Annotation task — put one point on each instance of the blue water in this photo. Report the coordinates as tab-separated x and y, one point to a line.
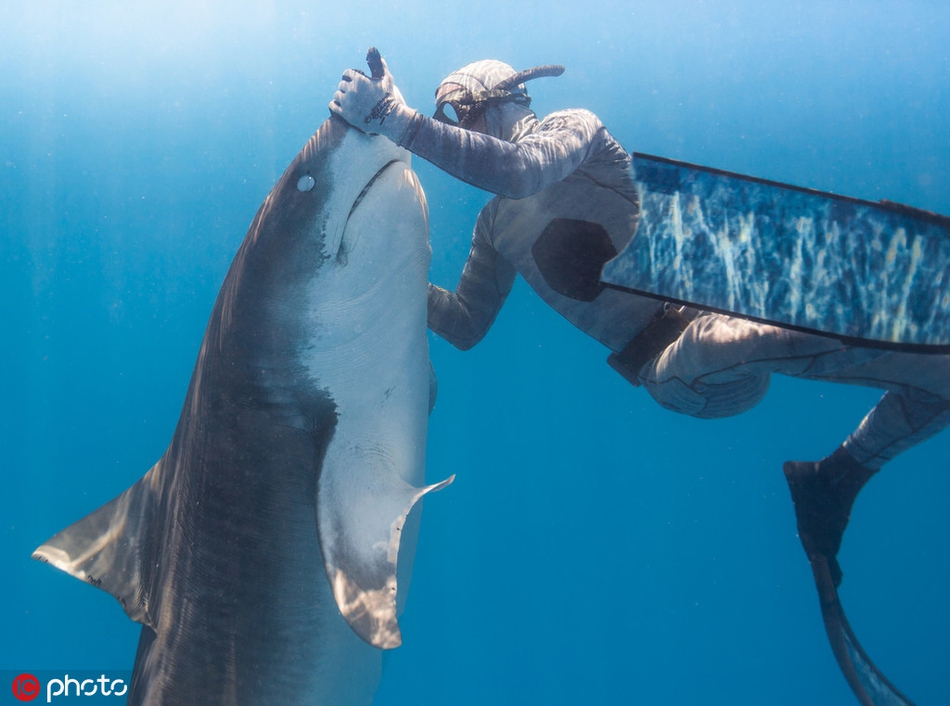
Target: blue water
595	549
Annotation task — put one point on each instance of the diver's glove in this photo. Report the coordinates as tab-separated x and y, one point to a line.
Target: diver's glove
372	104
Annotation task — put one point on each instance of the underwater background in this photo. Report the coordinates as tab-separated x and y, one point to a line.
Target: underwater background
595	548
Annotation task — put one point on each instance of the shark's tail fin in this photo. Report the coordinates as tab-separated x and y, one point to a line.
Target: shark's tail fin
105	549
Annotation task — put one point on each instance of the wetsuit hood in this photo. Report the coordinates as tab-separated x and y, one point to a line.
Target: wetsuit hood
465	94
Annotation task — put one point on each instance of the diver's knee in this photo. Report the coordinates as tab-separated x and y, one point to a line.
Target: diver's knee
709	401
735	396
676	396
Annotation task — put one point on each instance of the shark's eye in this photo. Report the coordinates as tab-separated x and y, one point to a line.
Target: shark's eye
305	183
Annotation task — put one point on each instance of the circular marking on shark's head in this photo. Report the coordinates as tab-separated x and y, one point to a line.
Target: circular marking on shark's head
305	183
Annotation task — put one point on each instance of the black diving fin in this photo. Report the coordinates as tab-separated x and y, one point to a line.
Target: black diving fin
823	494
866	681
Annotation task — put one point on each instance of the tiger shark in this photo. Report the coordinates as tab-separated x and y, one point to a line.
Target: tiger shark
268	552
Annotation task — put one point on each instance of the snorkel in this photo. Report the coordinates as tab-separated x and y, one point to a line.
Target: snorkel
529	74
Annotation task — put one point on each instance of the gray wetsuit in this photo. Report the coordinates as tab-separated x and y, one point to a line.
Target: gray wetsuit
720	365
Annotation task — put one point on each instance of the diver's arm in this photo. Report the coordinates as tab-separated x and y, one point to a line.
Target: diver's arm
464	316
554	150
513	169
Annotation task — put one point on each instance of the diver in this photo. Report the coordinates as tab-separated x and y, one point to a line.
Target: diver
566	203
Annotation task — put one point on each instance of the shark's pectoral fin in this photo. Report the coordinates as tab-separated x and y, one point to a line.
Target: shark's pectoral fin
105	549
360	533
867	682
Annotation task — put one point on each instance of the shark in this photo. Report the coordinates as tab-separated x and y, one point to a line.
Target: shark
267	554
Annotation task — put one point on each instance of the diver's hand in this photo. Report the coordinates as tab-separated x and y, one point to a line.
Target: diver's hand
366	102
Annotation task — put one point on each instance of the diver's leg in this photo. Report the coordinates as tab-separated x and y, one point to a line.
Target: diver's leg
824	492
720	366
899	421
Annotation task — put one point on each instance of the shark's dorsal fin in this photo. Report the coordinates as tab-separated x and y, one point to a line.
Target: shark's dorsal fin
105	549
360	557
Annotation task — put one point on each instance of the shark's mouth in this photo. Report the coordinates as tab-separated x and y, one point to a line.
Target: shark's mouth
347	245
